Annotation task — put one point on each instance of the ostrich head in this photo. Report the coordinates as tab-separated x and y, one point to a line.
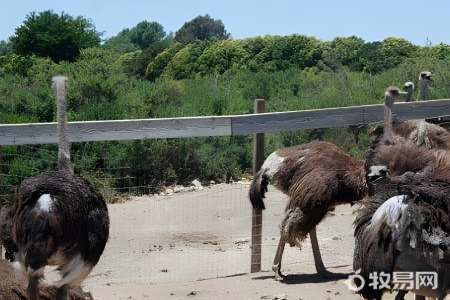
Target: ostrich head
424	81
409	89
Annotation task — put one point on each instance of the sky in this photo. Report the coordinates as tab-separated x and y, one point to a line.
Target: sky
420	22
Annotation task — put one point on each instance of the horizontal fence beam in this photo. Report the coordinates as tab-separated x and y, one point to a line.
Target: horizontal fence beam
115	130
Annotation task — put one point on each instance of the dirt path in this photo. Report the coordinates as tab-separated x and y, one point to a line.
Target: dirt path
196	245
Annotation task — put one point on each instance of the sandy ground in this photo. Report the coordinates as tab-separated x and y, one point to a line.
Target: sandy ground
196	245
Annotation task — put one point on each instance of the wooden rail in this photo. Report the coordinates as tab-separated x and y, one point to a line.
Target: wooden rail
45	133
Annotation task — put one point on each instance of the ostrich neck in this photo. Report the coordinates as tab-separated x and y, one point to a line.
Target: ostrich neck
64	162
388	104
423	90
408	96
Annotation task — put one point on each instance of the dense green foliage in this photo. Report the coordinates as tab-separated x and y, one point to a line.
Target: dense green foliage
201	28
145	73
60	37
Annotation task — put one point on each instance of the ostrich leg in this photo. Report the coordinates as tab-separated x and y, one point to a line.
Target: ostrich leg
62	293
320	268
276	267
33	289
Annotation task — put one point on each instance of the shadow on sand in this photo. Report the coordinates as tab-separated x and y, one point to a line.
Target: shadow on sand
305	278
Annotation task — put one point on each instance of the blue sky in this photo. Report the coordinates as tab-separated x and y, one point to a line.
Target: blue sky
371	20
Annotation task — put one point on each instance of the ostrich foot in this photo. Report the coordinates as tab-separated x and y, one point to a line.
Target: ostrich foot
278	275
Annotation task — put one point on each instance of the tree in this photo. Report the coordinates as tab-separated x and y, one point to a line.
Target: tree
395	50
147	33
5	47
201	28
121	43
343	52
60	37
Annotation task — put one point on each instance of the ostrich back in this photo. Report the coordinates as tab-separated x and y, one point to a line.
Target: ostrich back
319	174
420	132
75	223
405	226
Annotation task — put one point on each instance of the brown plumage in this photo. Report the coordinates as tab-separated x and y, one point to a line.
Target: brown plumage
420	132
404	225
60	220
316	177
13	285
6	238
57	218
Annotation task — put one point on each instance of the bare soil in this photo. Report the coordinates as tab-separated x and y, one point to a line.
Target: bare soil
196	245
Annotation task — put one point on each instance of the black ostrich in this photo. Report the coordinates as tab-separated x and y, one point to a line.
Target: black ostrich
316	177
59	219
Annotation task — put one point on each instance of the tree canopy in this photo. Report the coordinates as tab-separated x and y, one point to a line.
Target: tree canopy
59	37
201	28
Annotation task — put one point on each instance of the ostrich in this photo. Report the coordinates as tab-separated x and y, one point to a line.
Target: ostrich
295	172
405	225
316	177
424	81
409	89
415	177
13	285
59	219
420	131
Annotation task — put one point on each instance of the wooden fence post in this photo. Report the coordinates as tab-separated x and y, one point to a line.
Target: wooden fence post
258	159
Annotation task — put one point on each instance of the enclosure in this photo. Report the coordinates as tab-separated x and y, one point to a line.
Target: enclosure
189	234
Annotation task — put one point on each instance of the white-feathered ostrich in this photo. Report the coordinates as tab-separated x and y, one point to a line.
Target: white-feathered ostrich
60	219
316	177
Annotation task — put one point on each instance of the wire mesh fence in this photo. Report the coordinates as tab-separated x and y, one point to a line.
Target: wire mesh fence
190	235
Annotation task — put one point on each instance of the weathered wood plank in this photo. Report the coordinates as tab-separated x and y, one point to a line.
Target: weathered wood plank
44	133
334	117
296	120
422	109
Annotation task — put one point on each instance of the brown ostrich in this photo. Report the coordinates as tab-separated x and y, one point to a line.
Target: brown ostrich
316	177
296	171
59	219
405	224
392	228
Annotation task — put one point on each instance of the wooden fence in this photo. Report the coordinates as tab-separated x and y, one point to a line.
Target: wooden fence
45	133
257	124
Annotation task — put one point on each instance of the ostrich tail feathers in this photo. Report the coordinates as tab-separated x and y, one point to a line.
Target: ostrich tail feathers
258	189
